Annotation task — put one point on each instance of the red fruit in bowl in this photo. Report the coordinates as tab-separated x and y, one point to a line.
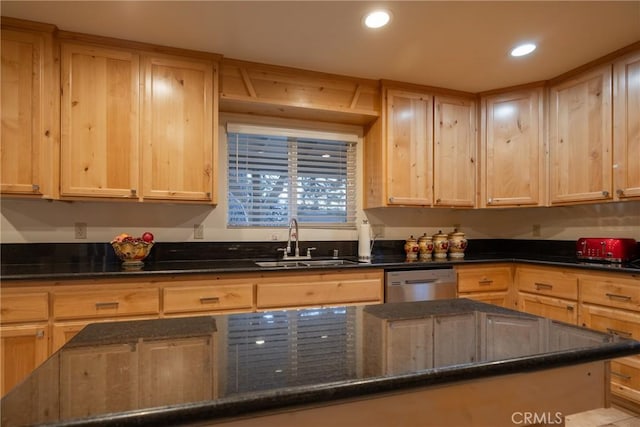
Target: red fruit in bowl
147	237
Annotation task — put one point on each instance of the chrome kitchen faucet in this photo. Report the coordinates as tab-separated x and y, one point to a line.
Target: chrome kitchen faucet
296	234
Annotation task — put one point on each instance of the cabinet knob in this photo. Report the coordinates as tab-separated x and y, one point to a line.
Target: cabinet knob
133	191
40	333
489	200
35	187
620	192
605	193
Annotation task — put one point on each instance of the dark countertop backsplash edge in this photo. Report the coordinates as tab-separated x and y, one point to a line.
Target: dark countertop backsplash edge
37	253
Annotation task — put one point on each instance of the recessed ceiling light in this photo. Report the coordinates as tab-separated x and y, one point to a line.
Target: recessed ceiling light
377	19
523	49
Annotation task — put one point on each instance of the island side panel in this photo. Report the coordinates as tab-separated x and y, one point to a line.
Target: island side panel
500	400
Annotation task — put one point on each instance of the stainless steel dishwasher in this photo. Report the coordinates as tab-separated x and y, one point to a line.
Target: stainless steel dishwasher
420	285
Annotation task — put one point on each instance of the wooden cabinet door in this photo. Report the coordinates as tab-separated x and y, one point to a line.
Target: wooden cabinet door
513	149
26	158
409	148
455	151
454	340
626	131
99	114
22	349
177	129
580	140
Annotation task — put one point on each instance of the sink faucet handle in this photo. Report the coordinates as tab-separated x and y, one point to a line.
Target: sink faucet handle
285	251
309	251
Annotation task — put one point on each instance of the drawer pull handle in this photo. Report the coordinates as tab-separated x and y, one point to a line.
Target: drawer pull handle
543	286
619	375
209	300
485	282
622	334
619	297
570	307
105	305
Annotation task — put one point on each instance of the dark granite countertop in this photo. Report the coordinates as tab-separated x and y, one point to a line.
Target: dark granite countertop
283	359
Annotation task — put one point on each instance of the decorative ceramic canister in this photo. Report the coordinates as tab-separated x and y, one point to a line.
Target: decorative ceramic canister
457	244
411	248
425	243
440	245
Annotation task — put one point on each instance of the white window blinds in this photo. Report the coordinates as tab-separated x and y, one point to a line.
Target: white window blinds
277	174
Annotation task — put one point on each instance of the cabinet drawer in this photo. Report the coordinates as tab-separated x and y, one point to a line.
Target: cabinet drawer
625	378
552	308
331	292
549	282
485	279
105	303
612	291
623	323
24	307
207	298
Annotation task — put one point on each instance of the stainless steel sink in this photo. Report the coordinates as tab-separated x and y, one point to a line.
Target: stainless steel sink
305	263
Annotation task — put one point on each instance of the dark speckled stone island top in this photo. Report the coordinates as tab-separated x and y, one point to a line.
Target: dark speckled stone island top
197	369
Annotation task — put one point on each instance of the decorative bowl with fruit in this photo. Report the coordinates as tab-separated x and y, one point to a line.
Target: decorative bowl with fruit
132	250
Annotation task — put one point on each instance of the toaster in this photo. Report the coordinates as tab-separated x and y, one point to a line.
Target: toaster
606	249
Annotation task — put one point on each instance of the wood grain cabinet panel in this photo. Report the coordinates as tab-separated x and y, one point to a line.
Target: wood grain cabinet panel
547	281
99	111
626	130
409	148
611	290
580	138
18	306
455	152
553	308
484	279
77	304
29	113
22	349
207	298
512	144
299	290
178	129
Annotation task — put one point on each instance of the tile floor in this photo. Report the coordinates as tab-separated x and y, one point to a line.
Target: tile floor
605	417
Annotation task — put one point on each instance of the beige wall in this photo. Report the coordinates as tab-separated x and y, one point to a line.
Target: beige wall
53	221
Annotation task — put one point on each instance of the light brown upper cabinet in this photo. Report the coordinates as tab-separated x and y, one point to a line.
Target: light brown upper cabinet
136	125
99	111
29	111
580	138
455	151
512	145
409	148
177	129
422	152
626	130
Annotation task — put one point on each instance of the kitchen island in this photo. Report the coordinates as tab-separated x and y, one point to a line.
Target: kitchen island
446	362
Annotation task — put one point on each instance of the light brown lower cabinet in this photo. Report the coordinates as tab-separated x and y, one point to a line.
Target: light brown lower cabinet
559	309
486	283
30	333
22	349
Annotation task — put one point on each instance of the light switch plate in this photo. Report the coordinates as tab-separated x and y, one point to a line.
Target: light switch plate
80	230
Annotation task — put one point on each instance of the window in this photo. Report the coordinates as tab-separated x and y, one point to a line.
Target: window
277	174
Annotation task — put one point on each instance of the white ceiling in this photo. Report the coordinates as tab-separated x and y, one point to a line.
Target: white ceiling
453	44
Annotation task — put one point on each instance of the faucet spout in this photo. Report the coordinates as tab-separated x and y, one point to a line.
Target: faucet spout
293	223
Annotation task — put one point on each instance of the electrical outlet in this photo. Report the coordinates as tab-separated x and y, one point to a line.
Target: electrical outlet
275	236
80	230
198	231
535	231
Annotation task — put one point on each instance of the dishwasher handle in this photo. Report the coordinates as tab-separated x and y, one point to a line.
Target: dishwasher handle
417	281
